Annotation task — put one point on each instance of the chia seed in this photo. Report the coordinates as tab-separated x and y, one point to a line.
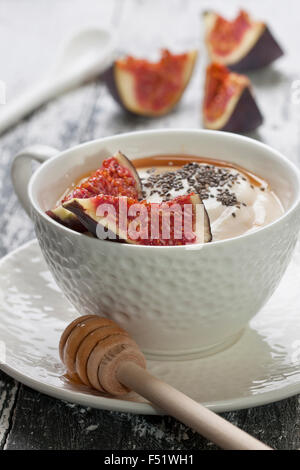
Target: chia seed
200	178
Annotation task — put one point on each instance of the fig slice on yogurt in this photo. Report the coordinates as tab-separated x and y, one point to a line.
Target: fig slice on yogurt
126	163
241	44
150	88
116	176
181	221
229	103
66	218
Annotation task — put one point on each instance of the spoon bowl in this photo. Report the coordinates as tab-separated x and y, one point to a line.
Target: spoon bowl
89	51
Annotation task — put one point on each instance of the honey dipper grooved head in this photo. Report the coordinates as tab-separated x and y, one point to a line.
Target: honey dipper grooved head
93	348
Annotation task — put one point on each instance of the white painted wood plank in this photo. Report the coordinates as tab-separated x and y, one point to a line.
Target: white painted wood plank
32	32
8	393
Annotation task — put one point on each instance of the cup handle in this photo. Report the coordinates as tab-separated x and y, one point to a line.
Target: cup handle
21	170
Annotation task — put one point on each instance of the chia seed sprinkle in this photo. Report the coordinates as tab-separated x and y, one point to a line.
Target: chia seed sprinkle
200	178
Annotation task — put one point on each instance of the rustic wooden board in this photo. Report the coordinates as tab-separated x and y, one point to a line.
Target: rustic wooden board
30	35
40	422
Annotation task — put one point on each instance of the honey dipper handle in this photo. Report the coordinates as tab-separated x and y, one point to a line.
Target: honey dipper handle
186	410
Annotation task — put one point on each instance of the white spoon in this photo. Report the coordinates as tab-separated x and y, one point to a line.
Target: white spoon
85	56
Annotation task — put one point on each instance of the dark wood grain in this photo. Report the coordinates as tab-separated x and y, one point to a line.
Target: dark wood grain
30	420
41	422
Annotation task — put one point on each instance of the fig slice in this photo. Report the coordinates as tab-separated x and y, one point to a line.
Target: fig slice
116	176
179	222
126	163
229	104
241	44
66	218
150	88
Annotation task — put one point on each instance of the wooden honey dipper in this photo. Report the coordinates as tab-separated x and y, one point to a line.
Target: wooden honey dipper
103	356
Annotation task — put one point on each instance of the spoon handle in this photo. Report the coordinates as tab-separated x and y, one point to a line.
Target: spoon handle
32	99
186	410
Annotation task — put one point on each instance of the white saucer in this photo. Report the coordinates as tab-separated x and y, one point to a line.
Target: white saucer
263	366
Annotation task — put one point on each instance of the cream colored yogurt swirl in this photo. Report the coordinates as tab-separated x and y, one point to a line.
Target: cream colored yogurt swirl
256	206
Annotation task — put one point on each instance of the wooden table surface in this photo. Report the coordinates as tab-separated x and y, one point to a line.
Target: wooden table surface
31	33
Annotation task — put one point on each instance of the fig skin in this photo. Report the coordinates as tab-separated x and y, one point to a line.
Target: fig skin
109	79
263	52
195	199
241	113
246	115
88	222
126	163
112	75
66	218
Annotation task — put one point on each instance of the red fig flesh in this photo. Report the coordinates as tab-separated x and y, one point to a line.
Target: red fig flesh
241	44
150	89
228	101
124	162
117	176
178	222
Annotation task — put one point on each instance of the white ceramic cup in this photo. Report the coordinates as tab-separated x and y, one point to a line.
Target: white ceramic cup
176	302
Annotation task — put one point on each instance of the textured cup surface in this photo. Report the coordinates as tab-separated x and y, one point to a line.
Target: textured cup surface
173	301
